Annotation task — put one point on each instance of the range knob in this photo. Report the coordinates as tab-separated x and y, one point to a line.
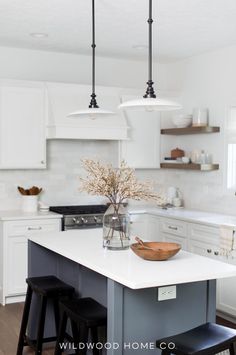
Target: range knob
84	220
76	220
95	219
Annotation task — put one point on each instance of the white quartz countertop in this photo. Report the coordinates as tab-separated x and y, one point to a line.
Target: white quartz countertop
215	219
20	215
85	247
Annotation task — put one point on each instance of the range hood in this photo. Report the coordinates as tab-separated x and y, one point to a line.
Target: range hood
64	98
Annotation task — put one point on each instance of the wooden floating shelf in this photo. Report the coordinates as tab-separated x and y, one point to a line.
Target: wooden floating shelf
190	130
191	166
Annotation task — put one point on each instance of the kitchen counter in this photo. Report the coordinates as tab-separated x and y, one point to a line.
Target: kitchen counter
20	215
213	219
85	248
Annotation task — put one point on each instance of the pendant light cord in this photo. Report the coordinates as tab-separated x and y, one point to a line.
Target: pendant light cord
93	102
150	93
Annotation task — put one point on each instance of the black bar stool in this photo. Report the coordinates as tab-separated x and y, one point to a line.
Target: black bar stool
207	339
47	287
84	314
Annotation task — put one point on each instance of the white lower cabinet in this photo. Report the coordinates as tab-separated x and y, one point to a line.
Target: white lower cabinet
138	225
174	231
175	239
145	226
153	228
204	240
14	254
16	265
203	249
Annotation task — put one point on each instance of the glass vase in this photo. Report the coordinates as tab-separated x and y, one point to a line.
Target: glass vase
116	228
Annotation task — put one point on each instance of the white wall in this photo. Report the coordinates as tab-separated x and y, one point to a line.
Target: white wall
208	80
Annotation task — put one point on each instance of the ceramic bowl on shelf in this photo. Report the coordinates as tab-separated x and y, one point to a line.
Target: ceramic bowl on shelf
182	120
155	251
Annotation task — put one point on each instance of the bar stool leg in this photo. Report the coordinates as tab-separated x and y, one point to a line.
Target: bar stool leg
39	342
165	352
83	337
75	333
232	349
94	338
61	334
56	314
24	321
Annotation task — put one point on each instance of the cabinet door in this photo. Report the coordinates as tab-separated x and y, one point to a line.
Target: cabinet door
142	149
22	127
138	226
226	288
204	233
16	265
153	229
175	239
17	250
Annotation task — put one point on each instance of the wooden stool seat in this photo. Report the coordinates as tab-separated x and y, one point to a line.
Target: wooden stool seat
84	314
46	287
209	338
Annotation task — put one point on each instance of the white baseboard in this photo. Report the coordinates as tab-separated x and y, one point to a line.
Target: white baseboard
15	299
226	316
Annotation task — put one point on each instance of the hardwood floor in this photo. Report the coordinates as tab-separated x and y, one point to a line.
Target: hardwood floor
225	322
10	319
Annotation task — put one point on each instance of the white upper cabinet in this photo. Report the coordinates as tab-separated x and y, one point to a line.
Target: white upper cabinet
142	149
22	125
66	98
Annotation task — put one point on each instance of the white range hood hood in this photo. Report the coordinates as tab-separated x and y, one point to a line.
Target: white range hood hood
66	98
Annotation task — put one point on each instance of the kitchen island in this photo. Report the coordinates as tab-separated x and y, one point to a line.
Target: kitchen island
128	286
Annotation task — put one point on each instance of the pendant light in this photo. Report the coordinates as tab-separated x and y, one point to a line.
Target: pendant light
149	102
93	111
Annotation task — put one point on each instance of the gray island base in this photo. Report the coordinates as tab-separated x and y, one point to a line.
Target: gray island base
135	316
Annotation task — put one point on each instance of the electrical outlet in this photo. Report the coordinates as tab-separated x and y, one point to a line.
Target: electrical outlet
166	293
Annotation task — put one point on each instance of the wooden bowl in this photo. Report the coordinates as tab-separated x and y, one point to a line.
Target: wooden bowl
159	251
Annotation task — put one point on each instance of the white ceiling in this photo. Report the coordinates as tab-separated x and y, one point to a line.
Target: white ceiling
182	28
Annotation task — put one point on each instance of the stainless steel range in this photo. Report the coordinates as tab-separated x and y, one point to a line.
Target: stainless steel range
78	217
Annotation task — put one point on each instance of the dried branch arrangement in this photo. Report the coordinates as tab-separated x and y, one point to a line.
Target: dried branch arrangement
116	184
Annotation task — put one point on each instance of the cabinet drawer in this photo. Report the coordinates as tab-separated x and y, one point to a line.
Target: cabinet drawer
33	226
206	234
173	226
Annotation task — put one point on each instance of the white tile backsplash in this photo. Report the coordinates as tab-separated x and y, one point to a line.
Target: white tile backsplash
60	181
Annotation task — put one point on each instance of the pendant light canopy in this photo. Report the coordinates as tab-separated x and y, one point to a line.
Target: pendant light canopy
149	102
93	111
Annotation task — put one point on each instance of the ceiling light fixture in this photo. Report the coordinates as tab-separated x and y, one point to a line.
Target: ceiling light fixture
39	35
93	111
149	102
